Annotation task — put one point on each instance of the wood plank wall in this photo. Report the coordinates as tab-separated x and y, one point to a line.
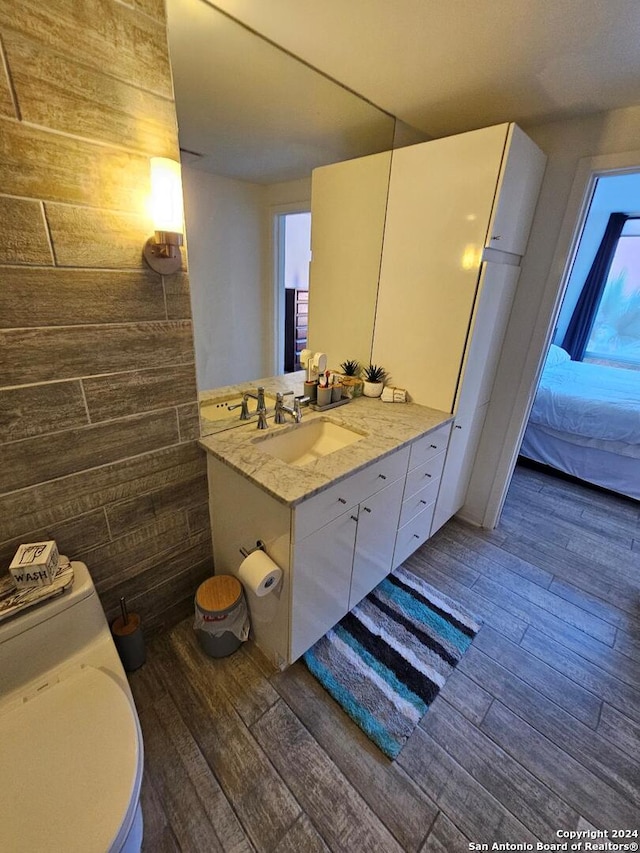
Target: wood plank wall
98	411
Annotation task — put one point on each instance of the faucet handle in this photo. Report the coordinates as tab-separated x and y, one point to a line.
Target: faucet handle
299	401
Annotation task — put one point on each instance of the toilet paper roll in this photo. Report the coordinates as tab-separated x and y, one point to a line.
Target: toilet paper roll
259	573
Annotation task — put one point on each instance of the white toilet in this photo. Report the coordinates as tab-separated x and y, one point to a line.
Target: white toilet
71	750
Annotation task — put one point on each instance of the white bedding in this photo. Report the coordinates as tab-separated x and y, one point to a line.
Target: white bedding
585	421
590	401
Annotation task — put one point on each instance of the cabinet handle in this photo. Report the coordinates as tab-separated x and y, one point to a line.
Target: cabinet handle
422	501
342	501
427	474
415	536
382	476
497	237
433	446
366	509
354	518
457	427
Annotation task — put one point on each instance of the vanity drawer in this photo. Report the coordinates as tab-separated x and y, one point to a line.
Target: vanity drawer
429	445
421	500
423	475
412	534
328	504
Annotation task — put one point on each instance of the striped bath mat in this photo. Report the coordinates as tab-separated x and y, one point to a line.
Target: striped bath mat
385	662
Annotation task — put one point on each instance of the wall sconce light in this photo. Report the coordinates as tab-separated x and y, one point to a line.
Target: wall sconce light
162	251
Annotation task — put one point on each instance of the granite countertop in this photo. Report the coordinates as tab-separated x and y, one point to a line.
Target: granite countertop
385	427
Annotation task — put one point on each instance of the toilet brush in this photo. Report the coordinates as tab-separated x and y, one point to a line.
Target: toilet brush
128	637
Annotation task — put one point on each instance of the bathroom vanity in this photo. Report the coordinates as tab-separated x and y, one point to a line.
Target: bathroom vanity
336	525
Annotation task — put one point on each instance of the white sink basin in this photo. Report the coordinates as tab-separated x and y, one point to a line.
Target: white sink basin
306	442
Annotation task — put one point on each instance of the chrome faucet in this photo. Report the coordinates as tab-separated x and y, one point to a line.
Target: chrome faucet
282	410
261	409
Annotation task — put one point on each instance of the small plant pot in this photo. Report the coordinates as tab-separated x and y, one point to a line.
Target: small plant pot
372	389
352	386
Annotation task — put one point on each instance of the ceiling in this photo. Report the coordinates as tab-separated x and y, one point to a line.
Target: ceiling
446	66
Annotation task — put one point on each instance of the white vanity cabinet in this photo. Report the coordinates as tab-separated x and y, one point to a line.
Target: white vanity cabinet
422	483
335	565
333	547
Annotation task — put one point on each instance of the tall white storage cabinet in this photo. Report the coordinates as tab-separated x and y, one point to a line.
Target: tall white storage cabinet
459	212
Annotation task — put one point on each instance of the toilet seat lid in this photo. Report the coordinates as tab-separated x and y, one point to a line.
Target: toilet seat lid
69	761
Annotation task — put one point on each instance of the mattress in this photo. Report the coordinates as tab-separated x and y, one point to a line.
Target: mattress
585	421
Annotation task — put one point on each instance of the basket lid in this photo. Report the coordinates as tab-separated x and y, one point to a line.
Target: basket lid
219	593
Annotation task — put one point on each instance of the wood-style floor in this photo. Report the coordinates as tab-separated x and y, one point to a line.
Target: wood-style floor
538	730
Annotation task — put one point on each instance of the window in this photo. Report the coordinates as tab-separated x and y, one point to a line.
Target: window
615	335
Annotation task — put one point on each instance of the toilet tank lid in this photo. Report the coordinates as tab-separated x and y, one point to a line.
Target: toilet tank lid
81	588
75	755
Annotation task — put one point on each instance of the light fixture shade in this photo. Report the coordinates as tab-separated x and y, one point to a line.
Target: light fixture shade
162	252
166	195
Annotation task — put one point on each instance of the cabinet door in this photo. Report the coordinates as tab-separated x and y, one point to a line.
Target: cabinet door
377	525
321	580
493	306
440	200
348	204
518	189
458	465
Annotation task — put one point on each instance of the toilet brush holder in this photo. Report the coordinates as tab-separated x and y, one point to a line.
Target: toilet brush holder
128	638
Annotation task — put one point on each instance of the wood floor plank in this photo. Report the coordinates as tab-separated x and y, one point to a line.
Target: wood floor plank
568	512
463	800
576	627
593	604
244	685
469	548
183	758
185	811
593	579
261	800
621	731
302	837
628	644
334	806
622	696
581	703
398	801
445	837
480	606
580	539
537	807
514	516
158	837
616	767
567	612
579	786
466	696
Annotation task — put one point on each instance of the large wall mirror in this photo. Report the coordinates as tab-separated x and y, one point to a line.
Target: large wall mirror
253	123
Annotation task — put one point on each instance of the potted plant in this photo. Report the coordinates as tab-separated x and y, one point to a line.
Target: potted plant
374	377
352	385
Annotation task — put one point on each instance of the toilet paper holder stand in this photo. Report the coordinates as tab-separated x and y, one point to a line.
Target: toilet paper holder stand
259	546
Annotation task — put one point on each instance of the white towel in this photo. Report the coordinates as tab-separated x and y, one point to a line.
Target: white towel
393	395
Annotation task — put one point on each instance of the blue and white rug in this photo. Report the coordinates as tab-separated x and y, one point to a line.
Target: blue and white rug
387	659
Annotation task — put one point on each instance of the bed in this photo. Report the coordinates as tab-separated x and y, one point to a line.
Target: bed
585	421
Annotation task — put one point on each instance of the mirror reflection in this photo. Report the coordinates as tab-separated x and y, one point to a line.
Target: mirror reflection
253	123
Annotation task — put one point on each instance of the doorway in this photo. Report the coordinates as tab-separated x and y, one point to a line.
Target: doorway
589	171
292	257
